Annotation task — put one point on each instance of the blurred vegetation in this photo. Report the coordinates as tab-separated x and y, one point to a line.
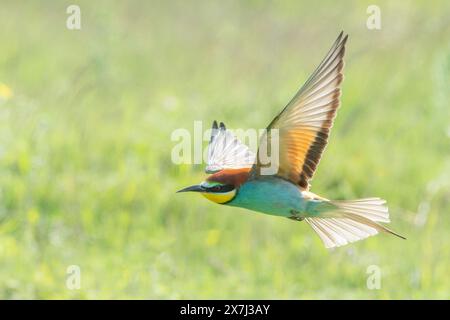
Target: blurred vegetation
85	124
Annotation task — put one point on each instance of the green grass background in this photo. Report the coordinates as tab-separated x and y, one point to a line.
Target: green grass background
86	176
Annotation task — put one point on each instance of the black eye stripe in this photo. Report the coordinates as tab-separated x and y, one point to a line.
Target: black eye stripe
221	188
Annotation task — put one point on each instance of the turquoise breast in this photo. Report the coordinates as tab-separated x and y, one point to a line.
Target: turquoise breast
270	195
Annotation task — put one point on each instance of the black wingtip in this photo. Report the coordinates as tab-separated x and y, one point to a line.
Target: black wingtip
345	38
222	126
342	34
214	125
342	38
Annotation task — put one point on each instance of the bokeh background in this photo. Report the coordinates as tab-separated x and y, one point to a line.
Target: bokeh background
86	176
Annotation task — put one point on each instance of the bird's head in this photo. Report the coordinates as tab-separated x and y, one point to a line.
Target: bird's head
221	187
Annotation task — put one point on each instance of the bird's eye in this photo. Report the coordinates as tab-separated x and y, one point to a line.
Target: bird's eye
216	188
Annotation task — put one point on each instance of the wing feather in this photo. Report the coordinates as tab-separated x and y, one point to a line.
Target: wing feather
225	151
304	124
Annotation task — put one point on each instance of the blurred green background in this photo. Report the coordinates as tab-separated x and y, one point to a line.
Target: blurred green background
86	176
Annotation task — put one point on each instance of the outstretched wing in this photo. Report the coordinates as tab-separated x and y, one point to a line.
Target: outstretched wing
304	124
225	151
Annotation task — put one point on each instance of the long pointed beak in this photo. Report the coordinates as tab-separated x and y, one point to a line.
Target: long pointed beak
196	188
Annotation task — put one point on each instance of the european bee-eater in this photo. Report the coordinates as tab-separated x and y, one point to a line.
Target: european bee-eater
303	127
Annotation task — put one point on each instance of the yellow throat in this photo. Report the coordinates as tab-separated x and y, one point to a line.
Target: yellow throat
220	197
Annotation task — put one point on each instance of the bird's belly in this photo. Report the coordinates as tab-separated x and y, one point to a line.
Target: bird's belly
270	195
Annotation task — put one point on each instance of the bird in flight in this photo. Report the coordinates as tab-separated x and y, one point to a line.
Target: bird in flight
303	126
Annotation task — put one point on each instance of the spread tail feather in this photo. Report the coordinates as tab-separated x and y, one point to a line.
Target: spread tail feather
351	221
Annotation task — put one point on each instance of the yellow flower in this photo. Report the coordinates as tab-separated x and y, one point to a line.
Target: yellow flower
212	237
5	91
32	216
